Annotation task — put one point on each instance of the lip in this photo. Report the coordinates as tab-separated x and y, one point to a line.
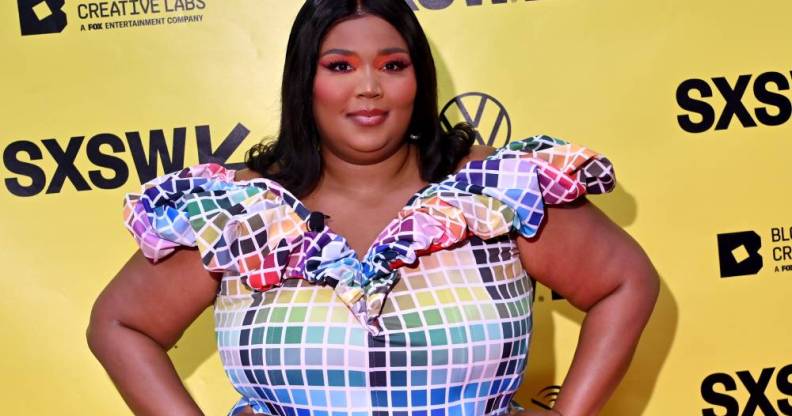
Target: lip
368	118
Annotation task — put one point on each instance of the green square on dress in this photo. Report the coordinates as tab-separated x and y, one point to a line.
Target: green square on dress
274	334
412	320
391	323
278	314
453	315
298	314
458	335
438	337
433	317
208	204
417	339
293	335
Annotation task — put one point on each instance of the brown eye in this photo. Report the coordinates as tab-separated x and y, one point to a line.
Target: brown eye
396	66
339	66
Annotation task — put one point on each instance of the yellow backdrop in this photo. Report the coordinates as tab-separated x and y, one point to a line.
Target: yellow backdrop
689	99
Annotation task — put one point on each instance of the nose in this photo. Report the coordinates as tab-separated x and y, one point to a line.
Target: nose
369	86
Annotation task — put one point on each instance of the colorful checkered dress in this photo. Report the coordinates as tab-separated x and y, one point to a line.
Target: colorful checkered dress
436	320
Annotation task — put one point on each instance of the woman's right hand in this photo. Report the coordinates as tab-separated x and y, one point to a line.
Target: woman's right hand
138	317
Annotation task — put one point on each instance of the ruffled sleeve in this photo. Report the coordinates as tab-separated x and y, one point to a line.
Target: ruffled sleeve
234	224
523	177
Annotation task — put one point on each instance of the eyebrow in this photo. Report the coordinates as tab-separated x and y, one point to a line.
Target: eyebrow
347	52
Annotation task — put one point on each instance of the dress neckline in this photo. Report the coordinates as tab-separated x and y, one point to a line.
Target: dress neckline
305	213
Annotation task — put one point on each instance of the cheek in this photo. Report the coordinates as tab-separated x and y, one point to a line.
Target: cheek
329	95
403	92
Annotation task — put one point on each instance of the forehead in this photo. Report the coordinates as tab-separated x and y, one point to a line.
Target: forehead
361	34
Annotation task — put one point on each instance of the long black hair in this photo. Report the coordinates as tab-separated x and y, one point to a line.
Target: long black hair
293	159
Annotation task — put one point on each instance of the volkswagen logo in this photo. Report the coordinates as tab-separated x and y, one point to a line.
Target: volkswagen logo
482	111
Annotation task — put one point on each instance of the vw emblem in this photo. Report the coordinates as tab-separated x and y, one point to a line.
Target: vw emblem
482	111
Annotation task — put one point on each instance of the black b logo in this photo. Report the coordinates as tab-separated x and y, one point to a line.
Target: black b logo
738	253
41	16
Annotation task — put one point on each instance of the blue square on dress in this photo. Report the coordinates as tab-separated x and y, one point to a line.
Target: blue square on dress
477	333
419	413
255	355
294	377
336	336
418	377
283	395
357	379
303	412
439	376
470	390
458	375
291	356
276	378
484	390
299	396
438	396
379	398
418	397
261	377
335	378
398	378
272	356
313	356
470	408
495	387
318	398
338	398
289	411
399	398
319	413
438	412
313	335
454	393
315	377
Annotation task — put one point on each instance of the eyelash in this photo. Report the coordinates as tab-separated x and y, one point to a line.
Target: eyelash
400	65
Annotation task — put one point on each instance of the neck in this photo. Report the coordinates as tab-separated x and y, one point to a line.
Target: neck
368	180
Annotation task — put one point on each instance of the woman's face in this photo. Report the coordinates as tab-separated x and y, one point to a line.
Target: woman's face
364	90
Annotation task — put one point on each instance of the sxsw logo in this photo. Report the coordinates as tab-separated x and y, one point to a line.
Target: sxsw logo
738	253
724	392
37	17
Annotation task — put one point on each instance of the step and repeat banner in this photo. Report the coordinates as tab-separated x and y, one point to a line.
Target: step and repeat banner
689	99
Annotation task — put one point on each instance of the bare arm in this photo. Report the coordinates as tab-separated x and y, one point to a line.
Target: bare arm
601	270
141	314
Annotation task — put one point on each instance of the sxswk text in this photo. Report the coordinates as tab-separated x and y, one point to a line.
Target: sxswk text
758	402
103	150
765	87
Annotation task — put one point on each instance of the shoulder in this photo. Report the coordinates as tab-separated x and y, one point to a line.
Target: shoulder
477	152
246	174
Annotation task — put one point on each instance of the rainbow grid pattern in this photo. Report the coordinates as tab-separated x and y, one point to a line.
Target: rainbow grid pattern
304	328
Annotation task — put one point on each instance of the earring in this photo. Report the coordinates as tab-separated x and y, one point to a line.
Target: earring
414	136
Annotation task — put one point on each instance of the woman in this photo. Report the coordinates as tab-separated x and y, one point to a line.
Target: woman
331	295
